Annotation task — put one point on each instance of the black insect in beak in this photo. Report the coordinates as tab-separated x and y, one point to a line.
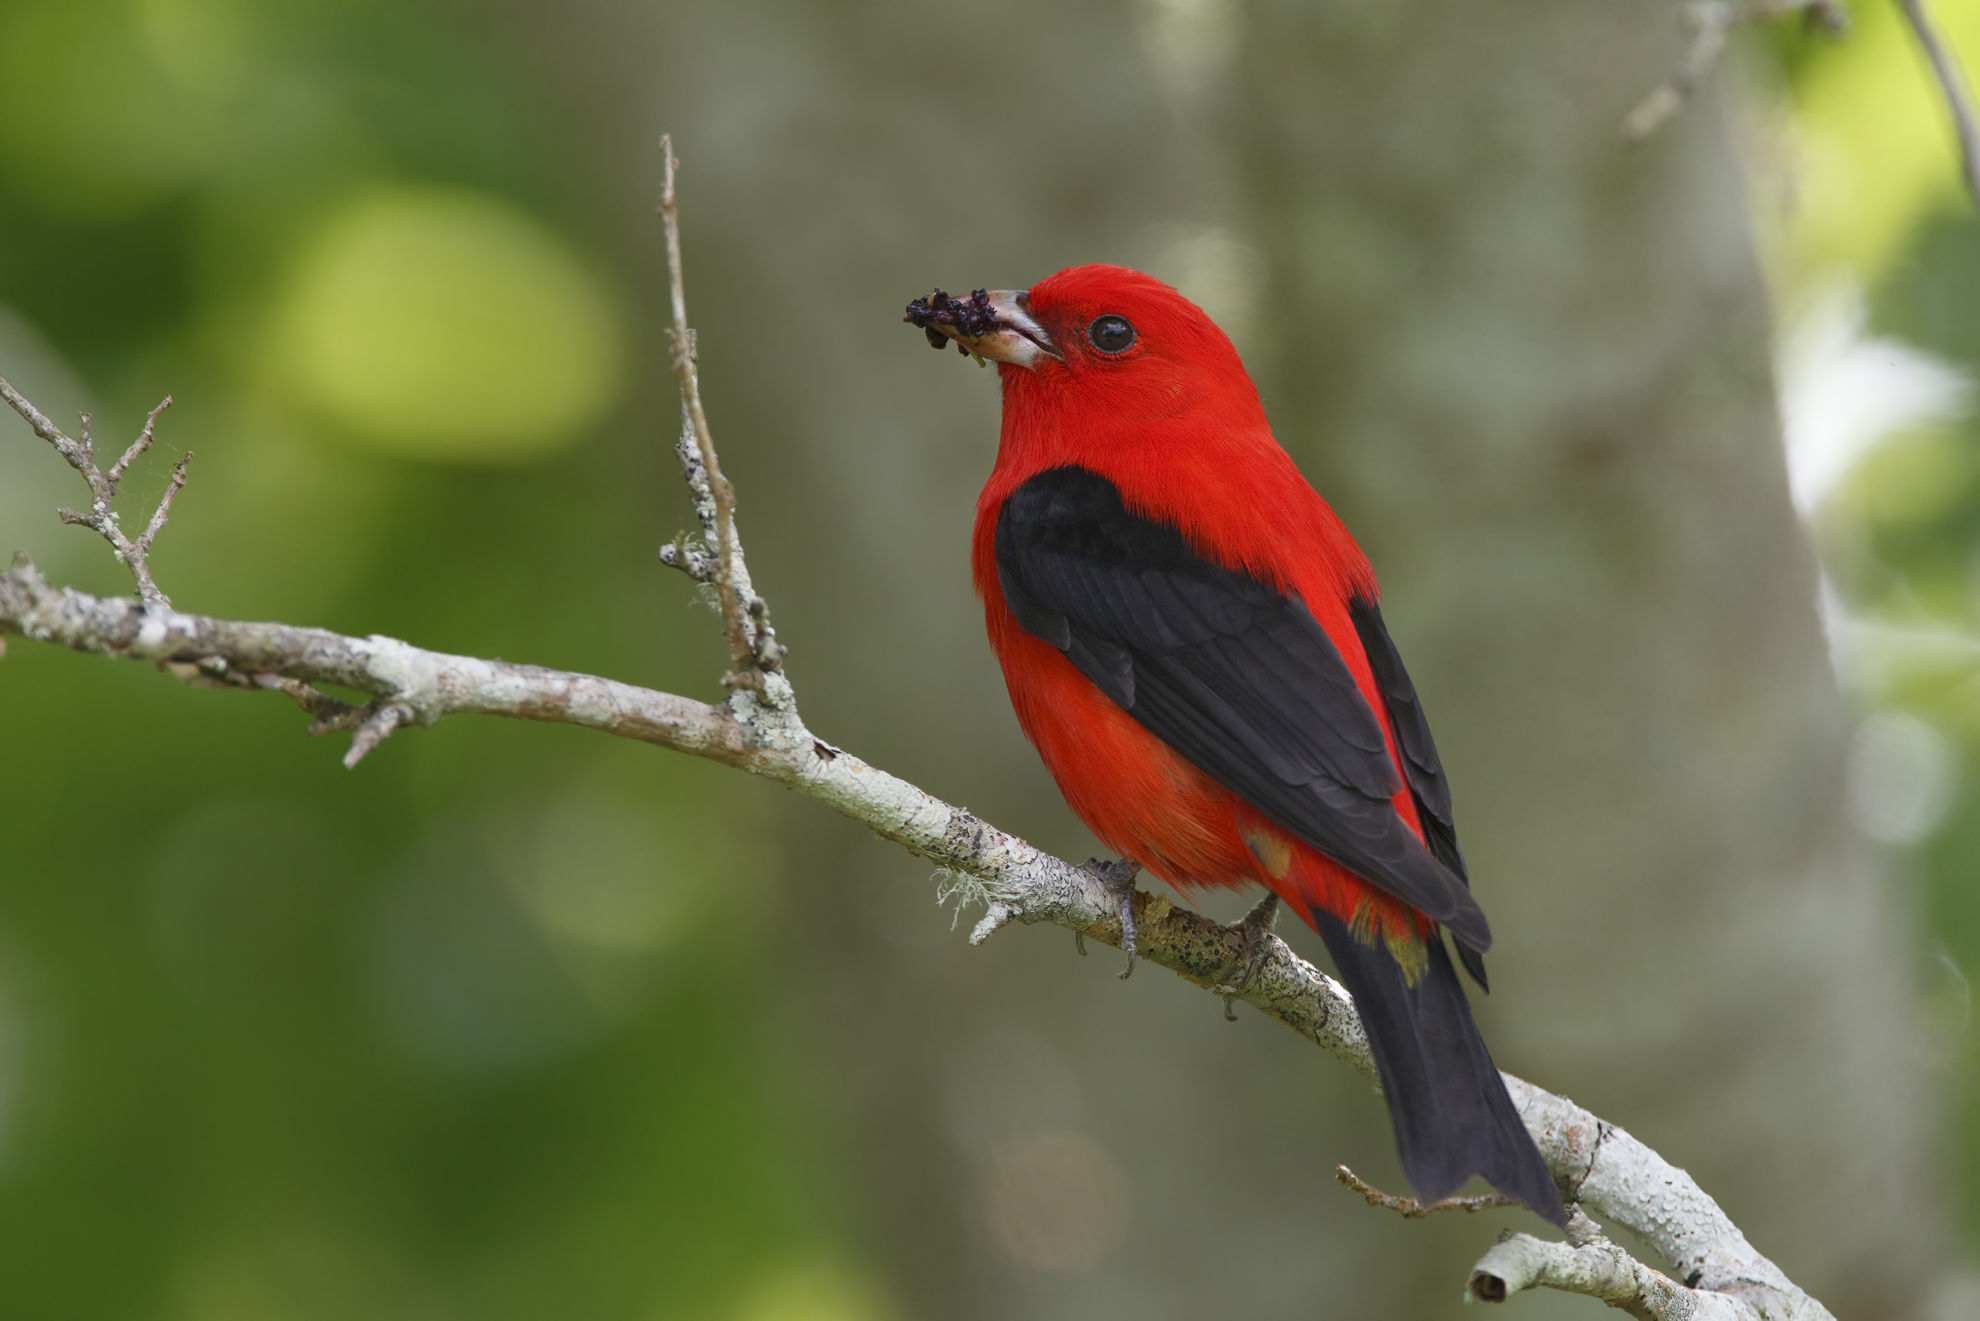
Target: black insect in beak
997	326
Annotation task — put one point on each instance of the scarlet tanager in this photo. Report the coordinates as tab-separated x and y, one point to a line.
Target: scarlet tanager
1195	645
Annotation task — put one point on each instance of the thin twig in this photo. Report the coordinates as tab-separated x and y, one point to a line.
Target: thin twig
380	719
138	446
735	613
1410	1208
1959	98
327	709
44	428
1712	22
164	510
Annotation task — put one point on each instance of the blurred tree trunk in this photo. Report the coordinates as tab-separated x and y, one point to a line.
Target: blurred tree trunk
1529	363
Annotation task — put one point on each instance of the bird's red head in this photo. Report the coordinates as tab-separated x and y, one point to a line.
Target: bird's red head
1106	350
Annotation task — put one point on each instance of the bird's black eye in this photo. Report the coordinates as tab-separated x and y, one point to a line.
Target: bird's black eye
1111	334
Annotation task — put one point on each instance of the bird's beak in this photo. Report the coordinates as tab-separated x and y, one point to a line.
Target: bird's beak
995	325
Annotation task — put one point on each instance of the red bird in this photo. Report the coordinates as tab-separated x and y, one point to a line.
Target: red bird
1194	644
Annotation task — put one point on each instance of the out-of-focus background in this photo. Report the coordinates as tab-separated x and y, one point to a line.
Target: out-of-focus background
518	1022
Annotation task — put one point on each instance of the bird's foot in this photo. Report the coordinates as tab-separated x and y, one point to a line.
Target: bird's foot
1256	929
1118	877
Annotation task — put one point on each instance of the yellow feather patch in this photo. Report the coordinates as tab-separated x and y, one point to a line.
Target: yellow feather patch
1273	850
1401	939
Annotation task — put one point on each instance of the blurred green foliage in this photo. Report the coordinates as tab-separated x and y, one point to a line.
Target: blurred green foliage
451	1037
444	325
1875	209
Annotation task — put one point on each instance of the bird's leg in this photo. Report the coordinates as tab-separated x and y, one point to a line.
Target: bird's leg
1256	928
1118	877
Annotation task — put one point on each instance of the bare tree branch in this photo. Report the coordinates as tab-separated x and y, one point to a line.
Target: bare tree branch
758	730
100	517
1711	22
753	650
1590	1264
140	552
1959	98
138	446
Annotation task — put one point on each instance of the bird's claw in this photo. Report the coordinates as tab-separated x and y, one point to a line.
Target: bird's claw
1256	929
1118	878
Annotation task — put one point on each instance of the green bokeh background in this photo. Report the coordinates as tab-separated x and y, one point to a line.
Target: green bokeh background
512	1022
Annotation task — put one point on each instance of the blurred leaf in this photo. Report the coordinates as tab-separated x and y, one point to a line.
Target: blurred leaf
91	123
445	324
1878	155
813	1290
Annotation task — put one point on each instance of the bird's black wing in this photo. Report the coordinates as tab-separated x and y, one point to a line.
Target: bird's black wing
1239	679
1423	769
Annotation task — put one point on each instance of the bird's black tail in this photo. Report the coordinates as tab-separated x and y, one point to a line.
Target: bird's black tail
1452	1116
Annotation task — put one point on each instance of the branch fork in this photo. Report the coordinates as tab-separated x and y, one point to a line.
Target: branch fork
100	517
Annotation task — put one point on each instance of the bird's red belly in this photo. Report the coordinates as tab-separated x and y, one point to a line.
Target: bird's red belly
1147	803
1129	788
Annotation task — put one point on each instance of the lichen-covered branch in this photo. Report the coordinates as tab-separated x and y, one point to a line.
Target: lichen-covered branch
1590	1264
753	649
1613	1175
